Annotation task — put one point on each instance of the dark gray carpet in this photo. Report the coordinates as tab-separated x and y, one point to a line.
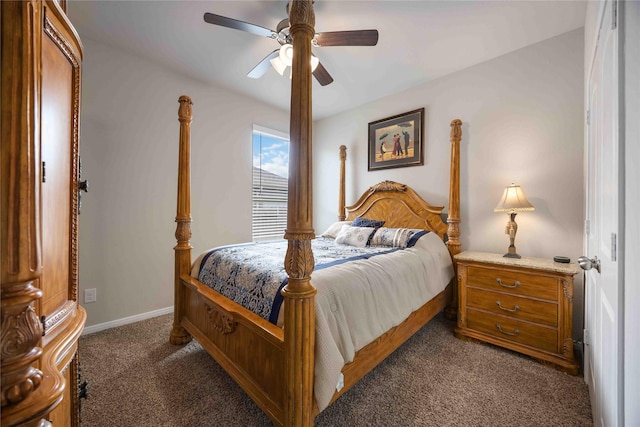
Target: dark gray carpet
136	378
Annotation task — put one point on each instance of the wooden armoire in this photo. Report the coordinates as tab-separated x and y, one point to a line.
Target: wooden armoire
41	318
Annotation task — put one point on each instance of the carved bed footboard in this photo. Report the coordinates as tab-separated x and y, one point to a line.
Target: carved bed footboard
248	347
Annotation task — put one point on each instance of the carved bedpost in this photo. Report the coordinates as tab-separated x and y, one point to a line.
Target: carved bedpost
20	249
342	215
453	219
299	320
179	335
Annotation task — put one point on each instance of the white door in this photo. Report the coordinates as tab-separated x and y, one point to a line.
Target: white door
603	309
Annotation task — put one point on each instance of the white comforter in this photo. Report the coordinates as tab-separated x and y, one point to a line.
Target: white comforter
359	301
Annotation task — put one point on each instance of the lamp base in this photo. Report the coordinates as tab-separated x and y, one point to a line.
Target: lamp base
511	255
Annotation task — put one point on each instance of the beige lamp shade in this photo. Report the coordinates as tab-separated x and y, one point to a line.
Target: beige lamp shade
513	200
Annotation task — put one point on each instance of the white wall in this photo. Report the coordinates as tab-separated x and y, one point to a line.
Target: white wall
129	148
522	122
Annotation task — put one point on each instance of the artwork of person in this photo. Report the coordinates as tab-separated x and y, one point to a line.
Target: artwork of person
383	150
397	149
406	142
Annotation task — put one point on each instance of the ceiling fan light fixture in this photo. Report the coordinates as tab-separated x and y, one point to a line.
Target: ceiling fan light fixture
278	65
285	59
286	54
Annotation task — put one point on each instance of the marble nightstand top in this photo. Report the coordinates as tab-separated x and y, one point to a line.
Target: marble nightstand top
546	264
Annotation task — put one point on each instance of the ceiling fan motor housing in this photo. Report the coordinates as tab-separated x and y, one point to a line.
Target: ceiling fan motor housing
282	30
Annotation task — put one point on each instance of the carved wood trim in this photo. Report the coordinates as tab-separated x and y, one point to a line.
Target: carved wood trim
567	287
299	261
567	348
387	186
21	332
221	321
462	317
65	47
51	322
74	375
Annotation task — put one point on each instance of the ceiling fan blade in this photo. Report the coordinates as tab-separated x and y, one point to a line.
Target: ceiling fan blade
348	38
322	75
238	25
262	67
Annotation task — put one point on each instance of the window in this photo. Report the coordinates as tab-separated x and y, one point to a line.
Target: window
270	184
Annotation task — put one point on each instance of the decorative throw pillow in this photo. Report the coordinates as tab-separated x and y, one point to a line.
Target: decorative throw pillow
397	237
354	236
334	229
366	222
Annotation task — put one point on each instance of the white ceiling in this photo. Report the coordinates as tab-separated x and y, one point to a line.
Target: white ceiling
419	40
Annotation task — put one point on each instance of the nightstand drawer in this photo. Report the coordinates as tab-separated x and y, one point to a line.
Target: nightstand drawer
517	307
514	282
513	330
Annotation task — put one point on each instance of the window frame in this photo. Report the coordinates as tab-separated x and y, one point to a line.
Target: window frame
273	204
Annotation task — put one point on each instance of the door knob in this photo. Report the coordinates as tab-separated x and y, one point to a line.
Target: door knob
587	264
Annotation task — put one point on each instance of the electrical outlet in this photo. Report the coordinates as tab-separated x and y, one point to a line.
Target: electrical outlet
90	295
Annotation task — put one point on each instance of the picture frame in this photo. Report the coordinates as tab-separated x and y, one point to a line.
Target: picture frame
397	141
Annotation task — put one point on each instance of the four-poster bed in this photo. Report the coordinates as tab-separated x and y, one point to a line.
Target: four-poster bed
274	365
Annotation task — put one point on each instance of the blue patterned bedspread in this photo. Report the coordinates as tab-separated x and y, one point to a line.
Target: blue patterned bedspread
252	274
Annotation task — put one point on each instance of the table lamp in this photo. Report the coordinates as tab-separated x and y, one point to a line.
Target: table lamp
512	202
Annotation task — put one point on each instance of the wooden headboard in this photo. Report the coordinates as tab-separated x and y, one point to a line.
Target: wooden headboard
400	207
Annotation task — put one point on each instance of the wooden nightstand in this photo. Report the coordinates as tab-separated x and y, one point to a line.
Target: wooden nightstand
525	305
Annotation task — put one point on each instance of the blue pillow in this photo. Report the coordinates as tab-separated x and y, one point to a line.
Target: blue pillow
366	222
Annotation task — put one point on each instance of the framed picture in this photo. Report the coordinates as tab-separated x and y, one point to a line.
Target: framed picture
396	141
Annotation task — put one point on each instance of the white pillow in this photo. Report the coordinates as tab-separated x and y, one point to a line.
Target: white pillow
354	236
396	237
334	229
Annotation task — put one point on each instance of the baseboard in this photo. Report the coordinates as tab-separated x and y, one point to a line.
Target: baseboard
125	321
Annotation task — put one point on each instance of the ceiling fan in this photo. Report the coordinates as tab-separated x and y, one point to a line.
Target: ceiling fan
280	58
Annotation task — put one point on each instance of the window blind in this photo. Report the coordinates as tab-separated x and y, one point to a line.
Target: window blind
269	189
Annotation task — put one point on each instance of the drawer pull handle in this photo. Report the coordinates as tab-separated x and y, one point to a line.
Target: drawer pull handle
512	310
515	284
515	331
